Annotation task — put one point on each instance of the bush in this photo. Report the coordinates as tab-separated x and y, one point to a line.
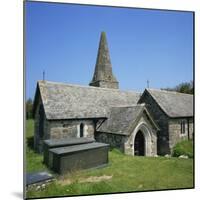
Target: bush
183	148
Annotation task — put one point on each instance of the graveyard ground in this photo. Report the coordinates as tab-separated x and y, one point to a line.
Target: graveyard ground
123	174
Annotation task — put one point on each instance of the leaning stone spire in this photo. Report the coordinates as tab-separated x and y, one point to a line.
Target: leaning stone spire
103	76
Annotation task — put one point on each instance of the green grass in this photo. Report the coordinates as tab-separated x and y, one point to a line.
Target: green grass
128	174
29	128
184	148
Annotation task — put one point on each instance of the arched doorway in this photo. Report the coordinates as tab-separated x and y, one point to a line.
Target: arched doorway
144	140
139	144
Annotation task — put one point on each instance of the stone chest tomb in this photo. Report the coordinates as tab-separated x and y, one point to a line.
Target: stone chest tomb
56	143
76	157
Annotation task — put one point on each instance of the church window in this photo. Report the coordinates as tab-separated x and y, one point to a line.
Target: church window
182	126
81	130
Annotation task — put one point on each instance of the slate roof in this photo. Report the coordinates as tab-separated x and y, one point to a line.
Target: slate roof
174	104
120	119
66	101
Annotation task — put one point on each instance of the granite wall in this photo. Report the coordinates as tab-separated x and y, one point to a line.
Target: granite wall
175	134
114	140
70	128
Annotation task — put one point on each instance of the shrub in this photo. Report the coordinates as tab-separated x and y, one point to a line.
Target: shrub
183	148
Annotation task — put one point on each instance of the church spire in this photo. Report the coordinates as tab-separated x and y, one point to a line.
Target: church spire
103	76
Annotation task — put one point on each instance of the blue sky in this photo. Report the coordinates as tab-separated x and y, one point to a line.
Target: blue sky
63	39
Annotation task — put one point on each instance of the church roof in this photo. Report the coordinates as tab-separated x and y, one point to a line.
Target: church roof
122	119
174	104
66	101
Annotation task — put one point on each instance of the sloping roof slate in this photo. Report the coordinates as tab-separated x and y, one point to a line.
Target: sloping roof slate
64	101
174	104
120	119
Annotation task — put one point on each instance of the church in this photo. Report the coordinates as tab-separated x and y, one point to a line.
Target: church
143	124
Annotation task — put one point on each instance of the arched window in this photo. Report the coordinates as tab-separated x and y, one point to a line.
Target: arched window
182	126
81	130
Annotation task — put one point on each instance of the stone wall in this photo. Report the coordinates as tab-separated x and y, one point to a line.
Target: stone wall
70	128
40	134
175	134
161	119
114	140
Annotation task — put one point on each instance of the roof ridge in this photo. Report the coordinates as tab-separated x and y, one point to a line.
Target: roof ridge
86	86
129	106
167	91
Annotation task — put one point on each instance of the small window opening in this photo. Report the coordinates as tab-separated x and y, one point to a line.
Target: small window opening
183	127
81	129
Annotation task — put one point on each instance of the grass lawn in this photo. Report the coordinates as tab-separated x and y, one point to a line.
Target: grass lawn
123	174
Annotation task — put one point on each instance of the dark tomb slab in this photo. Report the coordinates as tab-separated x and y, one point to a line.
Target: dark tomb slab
84	156
55	143
38	177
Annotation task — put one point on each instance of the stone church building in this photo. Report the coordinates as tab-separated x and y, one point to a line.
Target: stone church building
145	124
